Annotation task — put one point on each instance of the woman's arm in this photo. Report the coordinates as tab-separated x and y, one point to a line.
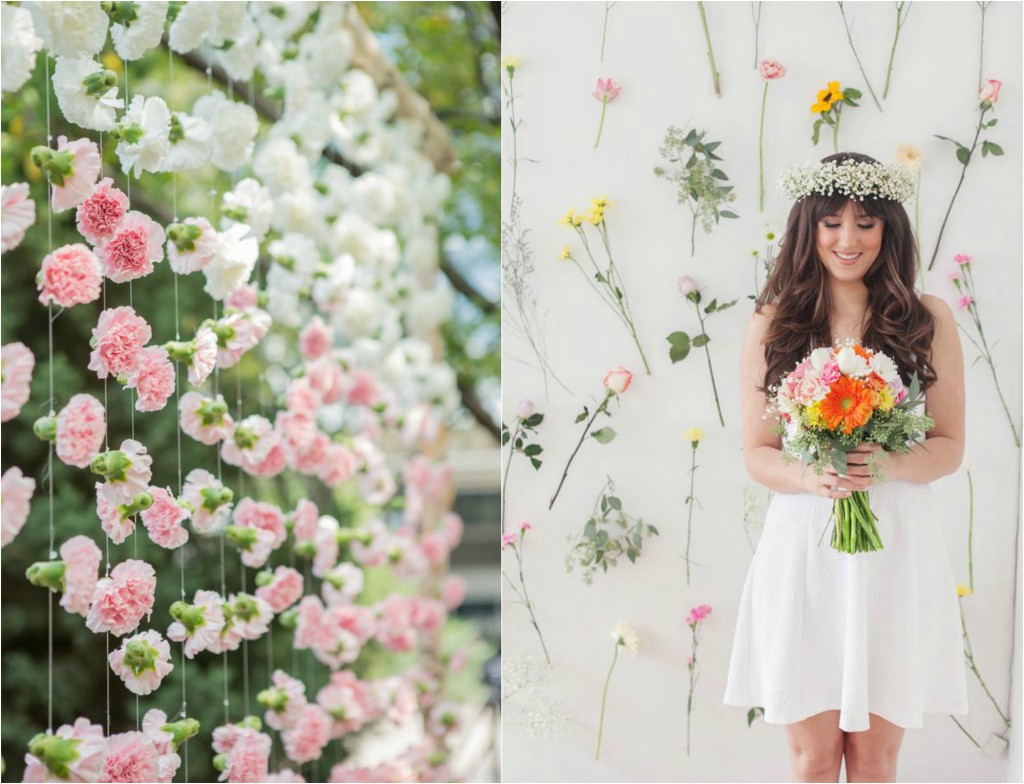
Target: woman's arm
943	448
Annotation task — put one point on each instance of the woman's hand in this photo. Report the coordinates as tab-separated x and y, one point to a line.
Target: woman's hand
857	476
825	484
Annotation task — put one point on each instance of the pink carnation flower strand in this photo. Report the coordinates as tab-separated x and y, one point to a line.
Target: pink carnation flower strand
142	662
693	620
75	752
198	354
80	428
130	756
210	501
205	419
515	542
75	575
606	92
135	247
16	490
280	588
117	340
164	518
198	625
72	168
16	365
101	213
122	599
17	213
152	378
191	245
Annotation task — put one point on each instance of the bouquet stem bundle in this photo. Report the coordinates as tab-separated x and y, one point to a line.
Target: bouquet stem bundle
855	530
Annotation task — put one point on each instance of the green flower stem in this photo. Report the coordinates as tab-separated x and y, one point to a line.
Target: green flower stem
586	429
508	466
989	361
690	502
900	20
849	37
969	654
965	732
693	682
981	49
855	530
760	143
707	353
757	31
600	127
604	700
515	127
711	54
970	529
604	31
524	598
917	232
835	128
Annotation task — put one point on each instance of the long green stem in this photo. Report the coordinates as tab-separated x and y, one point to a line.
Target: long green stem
963	173
604	32
760	143
711	54
900	19
529	606
757	31
586	429
711	371
969	652
504	481
981	48
689	518
835	130
604	701
849	37
600	127
965	732
970	529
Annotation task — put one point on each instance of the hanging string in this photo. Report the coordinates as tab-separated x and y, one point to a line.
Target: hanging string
49	457
241	564
106	447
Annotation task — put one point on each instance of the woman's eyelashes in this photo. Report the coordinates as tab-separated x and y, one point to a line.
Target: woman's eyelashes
865	226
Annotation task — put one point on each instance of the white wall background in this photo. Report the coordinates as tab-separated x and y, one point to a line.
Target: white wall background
657	52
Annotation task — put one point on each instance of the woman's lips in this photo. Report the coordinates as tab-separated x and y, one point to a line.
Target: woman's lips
847	262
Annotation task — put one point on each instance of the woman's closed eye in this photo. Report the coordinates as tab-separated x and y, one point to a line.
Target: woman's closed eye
865	226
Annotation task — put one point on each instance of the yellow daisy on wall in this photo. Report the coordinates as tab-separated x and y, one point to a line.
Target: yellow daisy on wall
827	97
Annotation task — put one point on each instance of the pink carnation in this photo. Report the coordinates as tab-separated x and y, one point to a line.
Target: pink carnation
453	592
434	547
251	443
90	746
85	169
428	615
135	246
248	759
16	491
100	215
122	599
81	559
339	465
284	589
697	614
142	662
290	691
453	529
395	627
152	378
962	258
302	398
262	515
116	525
130	756
771	69
17	362
70	275
509	539
81	427
188	256
252	615
342	584
305	741
204	356
325	545
17	213
245	296
375	551
245	330
966	301
310	630
273	464
201	625
285	776
315	339
304	520
163	520
363	389
136	476
325	376
117	340
205	419
209	511
348	701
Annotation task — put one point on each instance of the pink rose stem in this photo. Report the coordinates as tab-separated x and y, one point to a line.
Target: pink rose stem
711	53
604	405
524	596
707	353
901	6
604	700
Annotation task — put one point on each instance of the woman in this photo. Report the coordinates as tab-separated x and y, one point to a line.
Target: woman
849	650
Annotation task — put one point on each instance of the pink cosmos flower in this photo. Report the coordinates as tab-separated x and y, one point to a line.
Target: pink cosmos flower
771	69
315	339
163	520
80	181
191	245
17	362
962	258
348	701
142	661
135	246
117	525
100	215
618	381
248	759
283	590
85	747
121	600
81	559
607	91
16	491
17	213
697	614
966	301
205	419
342	584
117	340
152	378
453	591
81	426
209	499
130	756
204	356
70	275
990	91
198	625
305	741
284	700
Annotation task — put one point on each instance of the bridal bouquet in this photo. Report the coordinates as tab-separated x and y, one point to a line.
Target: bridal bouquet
833	401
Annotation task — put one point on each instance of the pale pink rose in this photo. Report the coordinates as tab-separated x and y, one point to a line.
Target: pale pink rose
453	529
186	253
132	251
966	301
130	756
453	591
204	356
962	258
606	91
69	276
771	69
81	559
122	599
245	296
315	339
152	378
100	215
434	546
142	662
363	389
526	409
116	525
342	584
16	491
199	624
284	589
348	701
339	465
248	759
990	91
687	285
284	700
163	520
117	340
85	169
205	419
618	381
261	514
81	426
304	521
17	213
395	625
17	362
206	494
306	739
89	746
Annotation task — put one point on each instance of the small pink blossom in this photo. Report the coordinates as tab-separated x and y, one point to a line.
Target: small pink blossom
69	276
164	518
342	584
315	339
508	540
187	254
339	465
771	69
954	276
100	215
428	615
245	296
453	591
205	419
285	776
453	529
618	381
306	739
256	544
363	389
81	426
250	442
348	701
697	614
137	473
273	464
243	331
117	340
326	377
152	378
142	661
130	756
17	362
524	526
198	625
208	499
80	181
962	258
204	356
17	213
434	547
395	625
373	552
325	545
16	491
116	525
966	301
284	589
607	91
252	615
132	251
990	91
261	514
89	746
687	286
302	398
122	599
248	759
81	559
526	409
304	520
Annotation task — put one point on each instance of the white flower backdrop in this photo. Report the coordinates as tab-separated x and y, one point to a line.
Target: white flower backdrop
310	369
657	54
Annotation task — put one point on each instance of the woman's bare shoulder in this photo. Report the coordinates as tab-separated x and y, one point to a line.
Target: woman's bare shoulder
761	318
940	310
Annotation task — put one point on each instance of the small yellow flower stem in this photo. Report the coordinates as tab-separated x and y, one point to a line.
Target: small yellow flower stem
835	128
604	700
690	502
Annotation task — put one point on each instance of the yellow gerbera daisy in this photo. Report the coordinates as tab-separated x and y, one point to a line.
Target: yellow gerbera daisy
827	97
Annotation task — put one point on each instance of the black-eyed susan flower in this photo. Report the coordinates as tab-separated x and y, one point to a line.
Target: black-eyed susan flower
827	97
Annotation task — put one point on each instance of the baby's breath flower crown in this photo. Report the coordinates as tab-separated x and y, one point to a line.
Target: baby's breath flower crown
850	178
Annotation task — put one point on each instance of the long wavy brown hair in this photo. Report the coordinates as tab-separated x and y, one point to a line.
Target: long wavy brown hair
898	324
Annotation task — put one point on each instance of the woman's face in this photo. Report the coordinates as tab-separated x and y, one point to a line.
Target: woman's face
849	243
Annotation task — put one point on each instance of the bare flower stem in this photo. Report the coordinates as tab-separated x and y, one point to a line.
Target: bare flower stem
604	32
586	430
689	517
525	600
711	371
604	701
900	21
760	145
508	467
849	37
711	55
757	29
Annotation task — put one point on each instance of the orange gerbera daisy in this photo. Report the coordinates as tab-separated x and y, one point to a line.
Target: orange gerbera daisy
847	405
863	352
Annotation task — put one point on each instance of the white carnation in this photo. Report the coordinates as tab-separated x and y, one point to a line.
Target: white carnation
280	166
133	40
299	212
362	314
236	257
189	145
421	250
248	202
18	47
375	198
234	127
151	118
428	309
70	29
280	21
85	93
327	54
297	253
189	28
885	367
331	288
239	60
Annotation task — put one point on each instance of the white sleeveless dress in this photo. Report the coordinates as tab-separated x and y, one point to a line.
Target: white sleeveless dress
876	632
